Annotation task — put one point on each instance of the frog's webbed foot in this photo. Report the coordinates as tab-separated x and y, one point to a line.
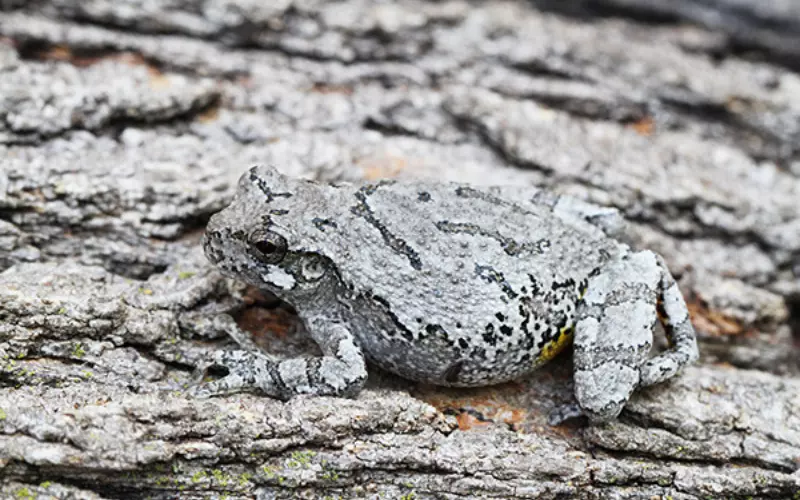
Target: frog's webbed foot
340	372
614	333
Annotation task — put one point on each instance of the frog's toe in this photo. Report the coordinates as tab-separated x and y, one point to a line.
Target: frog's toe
205	390
239	375
658	370
562	413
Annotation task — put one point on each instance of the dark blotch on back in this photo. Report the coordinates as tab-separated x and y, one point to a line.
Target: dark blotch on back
489	336
363	210
404	332
435	329
268	192
490	275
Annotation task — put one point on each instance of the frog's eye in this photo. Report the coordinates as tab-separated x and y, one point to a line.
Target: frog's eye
269	247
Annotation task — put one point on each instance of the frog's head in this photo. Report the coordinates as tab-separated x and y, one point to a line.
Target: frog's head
263	237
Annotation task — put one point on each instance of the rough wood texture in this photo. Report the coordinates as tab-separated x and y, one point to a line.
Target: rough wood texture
124	125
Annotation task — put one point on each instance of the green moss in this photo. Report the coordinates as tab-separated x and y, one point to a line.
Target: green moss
244	478
271	474
183	275
330	475
304	456
45	484
23	493
78	350
222	478
3	415
300	458
62	310
199	476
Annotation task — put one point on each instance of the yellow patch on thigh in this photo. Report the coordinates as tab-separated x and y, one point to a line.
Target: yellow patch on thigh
555	346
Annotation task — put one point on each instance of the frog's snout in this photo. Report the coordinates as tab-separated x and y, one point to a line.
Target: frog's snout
212	254
212	243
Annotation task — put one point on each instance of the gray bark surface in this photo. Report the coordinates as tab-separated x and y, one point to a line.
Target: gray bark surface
124	125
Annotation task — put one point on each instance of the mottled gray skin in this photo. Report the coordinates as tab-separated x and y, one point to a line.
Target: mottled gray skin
446	284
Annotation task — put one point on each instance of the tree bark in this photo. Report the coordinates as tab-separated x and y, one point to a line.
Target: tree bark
124	125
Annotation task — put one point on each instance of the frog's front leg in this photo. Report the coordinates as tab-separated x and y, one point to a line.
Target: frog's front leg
341	371
614	333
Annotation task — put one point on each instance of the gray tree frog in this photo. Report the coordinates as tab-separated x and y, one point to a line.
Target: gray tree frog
446	284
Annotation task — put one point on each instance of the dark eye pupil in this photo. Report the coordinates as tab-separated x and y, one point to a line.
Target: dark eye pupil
266	247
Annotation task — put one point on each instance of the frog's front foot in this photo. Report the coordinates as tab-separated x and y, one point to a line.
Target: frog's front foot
245	371
340	372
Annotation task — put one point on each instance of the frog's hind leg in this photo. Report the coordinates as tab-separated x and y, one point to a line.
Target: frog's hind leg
341	371
682	339
575	212
614	333
579	213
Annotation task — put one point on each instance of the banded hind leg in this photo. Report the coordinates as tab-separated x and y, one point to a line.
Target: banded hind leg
614	333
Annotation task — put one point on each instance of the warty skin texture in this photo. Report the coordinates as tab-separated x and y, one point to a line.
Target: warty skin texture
446	284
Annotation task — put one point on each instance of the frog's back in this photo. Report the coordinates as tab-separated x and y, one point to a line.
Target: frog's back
468	277
437	236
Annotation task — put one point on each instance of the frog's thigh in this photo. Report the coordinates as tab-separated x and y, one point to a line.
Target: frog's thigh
340	372
614	333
